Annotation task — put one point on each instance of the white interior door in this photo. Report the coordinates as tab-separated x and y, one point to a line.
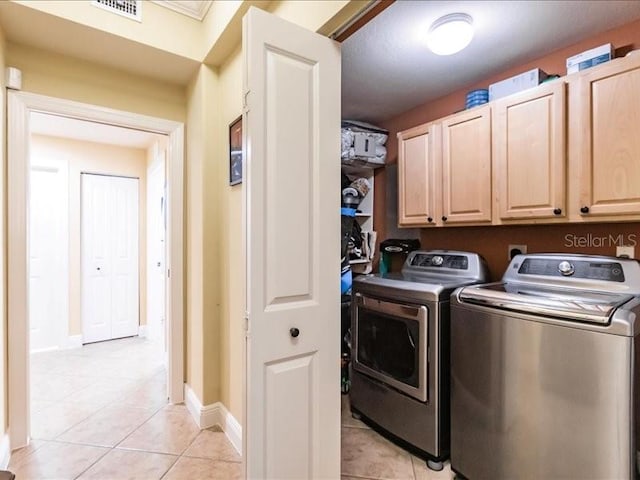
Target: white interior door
110	298
48	254
292	146
156	229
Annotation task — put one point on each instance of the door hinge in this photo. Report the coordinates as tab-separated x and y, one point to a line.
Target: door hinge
168	273
246	323
246	101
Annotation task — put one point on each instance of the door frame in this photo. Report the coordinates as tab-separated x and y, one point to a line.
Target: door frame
19	107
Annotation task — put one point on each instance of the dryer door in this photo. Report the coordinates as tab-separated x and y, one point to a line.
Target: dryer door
390	344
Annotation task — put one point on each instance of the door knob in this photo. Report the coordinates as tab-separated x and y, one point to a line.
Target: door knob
444	219
98	268
584	209
294	332
557	211
429	219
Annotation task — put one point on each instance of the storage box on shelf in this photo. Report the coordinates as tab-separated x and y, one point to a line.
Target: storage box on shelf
590	58
545	167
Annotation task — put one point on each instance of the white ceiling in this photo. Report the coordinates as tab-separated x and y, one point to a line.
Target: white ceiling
387	68
63	127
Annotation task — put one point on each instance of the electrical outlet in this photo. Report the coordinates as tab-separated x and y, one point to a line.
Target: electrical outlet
625	251
514	250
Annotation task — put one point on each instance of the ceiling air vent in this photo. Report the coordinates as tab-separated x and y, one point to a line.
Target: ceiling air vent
127	8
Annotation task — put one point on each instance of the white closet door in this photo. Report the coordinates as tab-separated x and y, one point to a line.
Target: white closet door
48	255
292	131
109	257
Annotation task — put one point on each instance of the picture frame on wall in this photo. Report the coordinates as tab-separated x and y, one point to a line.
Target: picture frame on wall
235	151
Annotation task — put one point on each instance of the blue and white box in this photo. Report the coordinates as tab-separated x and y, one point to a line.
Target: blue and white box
590	58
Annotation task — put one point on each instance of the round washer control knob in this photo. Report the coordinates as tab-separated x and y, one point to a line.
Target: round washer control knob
437	260
566	268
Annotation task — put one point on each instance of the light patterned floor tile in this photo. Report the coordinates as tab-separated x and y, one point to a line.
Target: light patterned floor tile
147	394
422	472
347	418
107	427
129	406
52	421
18	456
52	387
170	430
58	461
213	445
204	469
367	454
130	465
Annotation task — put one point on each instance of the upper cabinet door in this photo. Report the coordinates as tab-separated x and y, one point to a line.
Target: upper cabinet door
417	171
530	153
609	147
466	167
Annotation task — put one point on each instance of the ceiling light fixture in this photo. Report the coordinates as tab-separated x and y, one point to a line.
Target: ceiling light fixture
450	34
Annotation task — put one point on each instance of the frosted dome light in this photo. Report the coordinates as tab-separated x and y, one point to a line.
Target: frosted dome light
450	34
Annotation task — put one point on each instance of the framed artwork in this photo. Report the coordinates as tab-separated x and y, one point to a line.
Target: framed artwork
235	151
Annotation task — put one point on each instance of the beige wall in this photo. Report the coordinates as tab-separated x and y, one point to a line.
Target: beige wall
91	157
204	228
60	76
3	273
194	241
233	266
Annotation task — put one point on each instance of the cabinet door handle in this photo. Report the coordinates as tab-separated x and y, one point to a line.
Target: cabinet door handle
444	219
557	211
584	209
429	219
294	332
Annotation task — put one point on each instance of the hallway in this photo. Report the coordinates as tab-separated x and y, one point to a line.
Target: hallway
101	412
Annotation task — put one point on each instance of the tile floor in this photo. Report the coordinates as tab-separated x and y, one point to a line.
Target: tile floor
368	455
100	413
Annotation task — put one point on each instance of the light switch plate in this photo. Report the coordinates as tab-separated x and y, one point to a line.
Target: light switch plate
625	251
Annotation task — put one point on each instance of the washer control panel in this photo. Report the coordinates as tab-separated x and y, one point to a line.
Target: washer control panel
457	262
610	271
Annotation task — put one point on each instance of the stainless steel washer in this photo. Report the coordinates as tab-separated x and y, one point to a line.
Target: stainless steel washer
544	370
400	347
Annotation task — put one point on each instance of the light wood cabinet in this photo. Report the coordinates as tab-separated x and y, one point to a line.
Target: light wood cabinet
444	171
418	156
608	146
566	151
530	158
466	167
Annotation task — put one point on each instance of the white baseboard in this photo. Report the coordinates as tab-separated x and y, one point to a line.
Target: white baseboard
208	416
5	451
232	429
73	341
142	330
